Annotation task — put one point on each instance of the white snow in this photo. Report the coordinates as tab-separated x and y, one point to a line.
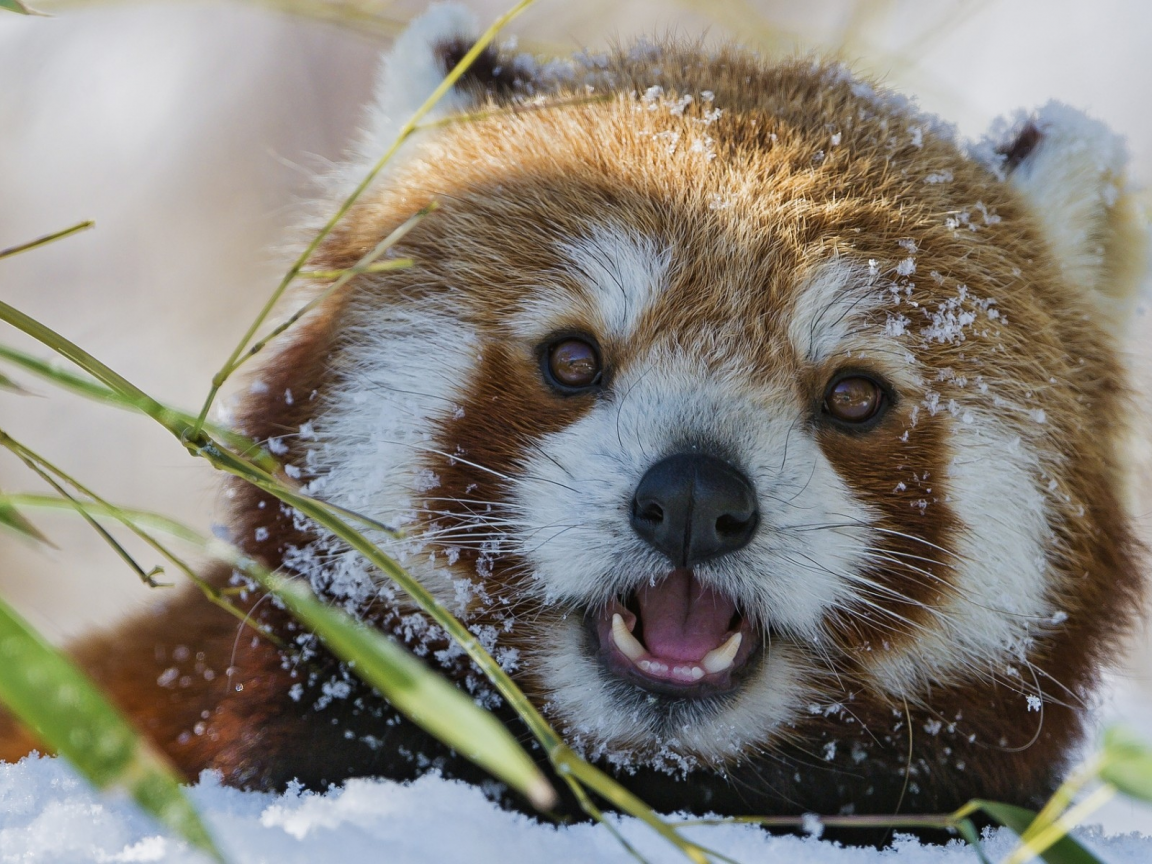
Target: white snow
48	815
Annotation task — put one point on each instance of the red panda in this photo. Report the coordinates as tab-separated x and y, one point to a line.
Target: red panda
770	438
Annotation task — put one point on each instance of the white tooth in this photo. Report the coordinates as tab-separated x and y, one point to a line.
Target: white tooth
697	673
719	659
625	641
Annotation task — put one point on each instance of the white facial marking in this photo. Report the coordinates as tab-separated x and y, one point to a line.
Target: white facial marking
828	310
614	275
405	367
999	566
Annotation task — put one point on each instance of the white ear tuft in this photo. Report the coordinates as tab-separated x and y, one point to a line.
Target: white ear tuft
1071	171
411	71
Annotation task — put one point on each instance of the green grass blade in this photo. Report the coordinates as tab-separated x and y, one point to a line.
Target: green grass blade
971	836
67	712
7	383
92	389
421	694
17	6
1064	851
13	520
1127	763
426	698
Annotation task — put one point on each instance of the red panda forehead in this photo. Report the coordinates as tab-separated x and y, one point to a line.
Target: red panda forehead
765	199
802	145
607	218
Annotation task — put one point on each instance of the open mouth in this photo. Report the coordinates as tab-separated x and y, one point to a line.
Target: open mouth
677	637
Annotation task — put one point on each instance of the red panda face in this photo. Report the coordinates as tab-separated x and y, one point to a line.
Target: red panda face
735	401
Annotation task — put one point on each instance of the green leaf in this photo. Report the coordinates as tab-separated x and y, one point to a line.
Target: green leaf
77	383
423	696
1064	851
14	520
7	383
1127	763
968	831
93	389
17	6
67	712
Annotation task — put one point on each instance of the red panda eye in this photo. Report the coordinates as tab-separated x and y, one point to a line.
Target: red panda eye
572	363
854	399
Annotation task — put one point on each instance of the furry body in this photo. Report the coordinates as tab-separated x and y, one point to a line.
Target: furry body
926	599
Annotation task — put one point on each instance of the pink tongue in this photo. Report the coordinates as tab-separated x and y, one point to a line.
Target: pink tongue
682	619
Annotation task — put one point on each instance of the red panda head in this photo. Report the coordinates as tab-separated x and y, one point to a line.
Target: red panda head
733	405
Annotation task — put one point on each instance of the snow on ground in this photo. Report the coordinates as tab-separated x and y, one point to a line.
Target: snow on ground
48	816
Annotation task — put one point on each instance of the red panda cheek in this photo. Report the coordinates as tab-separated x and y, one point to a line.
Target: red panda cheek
505	411
902	478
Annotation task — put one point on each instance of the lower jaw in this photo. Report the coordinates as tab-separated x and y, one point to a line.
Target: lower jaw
699	690
598	645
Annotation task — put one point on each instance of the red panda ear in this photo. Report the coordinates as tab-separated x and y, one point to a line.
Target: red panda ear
1071	170
432	45
489	74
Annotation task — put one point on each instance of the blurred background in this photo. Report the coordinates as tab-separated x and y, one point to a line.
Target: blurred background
190	133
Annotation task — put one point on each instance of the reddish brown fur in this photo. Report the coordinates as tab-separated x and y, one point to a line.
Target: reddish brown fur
795	202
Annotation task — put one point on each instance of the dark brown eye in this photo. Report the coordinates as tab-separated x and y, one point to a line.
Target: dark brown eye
572	364
854	399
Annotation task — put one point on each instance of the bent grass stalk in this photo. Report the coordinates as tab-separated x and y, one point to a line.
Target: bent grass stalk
406	131
420	694
568	765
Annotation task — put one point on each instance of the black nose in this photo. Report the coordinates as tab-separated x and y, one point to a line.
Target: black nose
694	507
